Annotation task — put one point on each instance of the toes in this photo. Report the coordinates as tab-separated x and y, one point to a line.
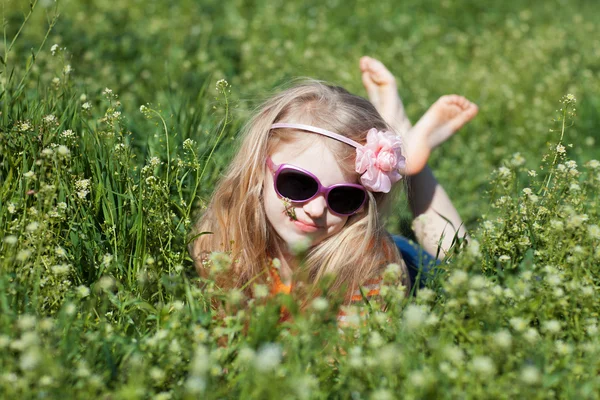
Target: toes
364	63
371	88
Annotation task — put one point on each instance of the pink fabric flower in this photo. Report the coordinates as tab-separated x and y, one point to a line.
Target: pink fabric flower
380	160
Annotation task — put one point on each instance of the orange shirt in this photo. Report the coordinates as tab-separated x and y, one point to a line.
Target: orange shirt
371	286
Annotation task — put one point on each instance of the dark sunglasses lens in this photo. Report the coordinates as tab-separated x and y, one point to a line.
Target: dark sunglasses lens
295	185
346	199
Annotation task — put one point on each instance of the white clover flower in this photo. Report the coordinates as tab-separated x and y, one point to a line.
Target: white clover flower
70	309
59	251
457	278
593	164
54	49
63	150
60	269
556	224
503	172
26	322
426	294
83	291
29	360
268	357
591	330
594	231
530	375
478	282
10	239
454	354
23	255
235	296
483	365
156	374
503	339
382	394
154	161
552	326
32	226
195	385
320	304
414	316
106	283
518	324
392	272
107	259
419	378
563	348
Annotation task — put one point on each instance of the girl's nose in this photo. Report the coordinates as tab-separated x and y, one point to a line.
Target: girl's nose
316	207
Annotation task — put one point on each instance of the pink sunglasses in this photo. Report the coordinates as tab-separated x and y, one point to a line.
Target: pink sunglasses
299	185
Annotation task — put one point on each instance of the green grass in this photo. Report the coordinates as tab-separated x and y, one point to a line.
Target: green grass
98	297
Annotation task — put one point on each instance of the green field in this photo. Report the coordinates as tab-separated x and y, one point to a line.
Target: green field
113	134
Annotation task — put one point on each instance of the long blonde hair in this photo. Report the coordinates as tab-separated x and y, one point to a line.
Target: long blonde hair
236	215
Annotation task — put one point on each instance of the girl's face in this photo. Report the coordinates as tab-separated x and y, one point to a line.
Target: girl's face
314	221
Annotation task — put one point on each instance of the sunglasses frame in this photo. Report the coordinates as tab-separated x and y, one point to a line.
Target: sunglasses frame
325	190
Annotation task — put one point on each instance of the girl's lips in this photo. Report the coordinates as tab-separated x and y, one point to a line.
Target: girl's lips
305	227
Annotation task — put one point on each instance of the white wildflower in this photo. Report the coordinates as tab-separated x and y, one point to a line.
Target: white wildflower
483	365
63	150
518	324
414	316
10	239
593	164
530	375
67	69
560	148
83	291
68	134
60	269
268	357
50	118
86	106
594	231
54	49
552	326
320	304
503	339
23	255
32	226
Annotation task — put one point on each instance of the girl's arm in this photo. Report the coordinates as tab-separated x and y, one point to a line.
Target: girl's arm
436	221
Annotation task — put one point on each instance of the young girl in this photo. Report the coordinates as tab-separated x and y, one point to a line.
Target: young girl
315	169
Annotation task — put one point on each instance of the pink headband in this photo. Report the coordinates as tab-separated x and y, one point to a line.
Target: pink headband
379	161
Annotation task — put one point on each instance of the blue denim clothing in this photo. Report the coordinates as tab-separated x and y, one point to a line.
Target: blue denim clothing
417	260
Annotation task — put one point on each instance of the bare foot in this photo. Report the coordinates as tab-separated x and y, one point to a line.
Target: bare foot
447	115
383	93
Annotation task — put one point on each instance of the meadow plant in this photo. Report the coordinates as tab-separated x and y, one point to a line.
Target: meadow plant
98	297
